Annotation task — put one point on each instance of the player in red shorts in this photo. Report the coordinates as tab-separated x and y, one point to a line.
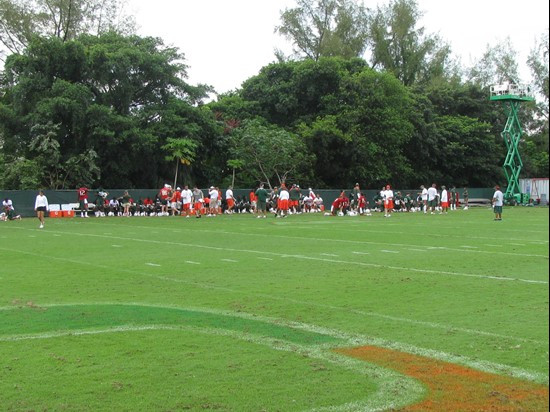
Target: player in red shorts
284	198
388	201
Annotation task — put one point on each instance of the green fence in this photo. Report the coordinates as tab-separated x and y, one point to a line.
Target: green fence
23	200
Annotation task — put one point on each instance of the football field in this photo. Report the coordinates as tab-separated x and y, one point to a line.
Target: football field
308	312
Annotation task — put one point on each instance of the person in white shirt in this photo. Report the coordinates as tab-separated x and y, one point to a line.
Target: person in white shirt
444	200
432	198
41	206
498	202
230	200
186	199
424	197
214	194
387	196
284	196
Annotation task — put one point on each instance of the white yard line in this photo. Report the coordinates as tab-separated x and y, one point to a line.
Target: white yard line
218	232
364	264
192	263
153	264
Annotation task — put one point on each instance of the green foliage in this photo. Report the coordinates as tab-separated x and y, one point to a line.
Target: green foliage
271	154
114	101
325	28
62	19
397	45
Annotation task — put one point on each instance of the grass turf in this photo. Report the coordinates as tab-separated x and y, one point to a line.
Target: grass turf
235	313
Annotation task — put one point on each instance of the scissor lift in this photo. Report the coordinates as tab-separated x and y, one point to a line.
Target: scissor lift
512	95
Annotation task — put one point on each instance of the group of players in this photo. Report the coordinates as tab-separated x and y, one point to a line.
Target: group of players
281	201
426	200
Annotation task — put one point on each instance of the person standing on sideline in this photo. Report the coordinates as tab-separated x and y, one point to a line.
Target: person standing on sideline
284	197
198	201
83	200
465	195
230	200
41	207
261	203
444	200
424	197
498	202
388	201
432	198
213	208
126	198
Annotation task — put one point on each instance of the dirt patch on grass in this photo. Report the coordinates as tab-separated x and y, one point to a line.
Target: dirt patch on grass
457	388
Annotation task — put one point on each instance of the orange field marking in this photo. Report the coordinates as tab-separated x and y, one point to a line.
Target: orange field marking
457	388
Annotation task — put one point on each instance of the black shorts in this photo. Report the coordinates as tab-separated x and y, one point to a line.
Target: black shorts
41	209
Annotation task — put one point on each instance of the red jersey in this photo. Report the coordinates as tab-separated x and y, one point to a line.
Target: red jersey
338	203
82	193
164	193
176	196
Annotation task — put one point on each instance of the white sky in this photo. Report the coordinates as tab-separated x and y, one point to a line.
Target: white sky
227	41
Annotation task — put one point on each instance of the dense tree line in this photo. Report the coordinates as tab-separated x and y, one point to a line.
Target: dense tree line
101	107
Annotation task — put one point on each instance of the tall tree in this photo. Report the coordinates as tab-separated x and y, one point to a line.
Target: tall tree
270	154
536	145
20	20
115	96
397	45
498	64
319	28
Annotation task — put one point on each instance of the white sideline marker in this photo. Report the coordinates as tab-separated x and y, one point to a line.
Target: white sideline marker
264	258
116	245
417	250
361	253
389	251
152	264
230	260
329	254
192	263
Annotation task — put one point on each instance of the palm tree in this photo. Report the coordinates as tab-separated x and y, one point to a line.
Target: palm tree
182	151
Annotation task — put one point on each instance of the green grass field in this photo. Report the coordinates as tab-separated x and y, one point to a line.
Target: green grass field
238	313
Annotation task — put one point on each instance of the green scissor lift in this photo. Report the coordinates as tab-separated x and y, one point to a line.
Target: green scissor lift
511	95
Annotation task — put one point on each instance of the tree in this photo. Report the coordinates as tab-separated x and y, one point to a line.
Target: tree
182	151
498	64
270	154
115	97
325	28
397	45
62	19
234	164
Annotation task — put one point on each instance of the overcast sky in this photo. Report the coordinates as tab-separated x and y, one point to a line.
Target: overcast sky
227	41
